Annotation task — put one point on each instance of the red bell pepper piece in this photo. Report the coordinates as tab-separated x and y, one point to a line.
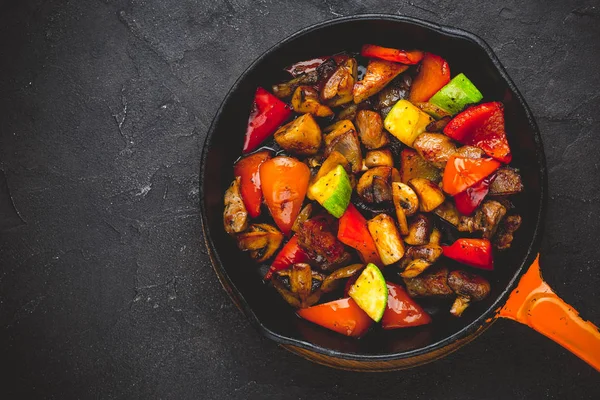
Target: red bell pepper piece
433	75
353	231
386	53
482	126
463	172
247	170
474	252
289	255
469	200
284	182
268	113
401	310
343	316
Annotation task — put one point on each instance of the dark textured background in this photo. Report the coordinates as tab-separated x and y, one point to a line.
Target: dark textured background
106	290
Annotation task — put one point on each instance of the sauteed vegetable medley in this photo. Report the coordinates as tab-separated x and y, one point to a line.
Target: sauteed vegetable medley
382	179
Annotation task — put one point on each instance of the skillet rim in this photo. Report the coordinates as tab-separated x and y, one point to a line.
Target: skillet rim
485	319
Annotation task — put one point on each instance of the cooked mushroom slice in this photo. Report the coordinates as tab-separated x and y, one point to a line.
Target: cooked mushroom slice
435	148
430	283
337	89
332	281
418	258
286	89
235	215
303	285
400	216
504	237
379	73
419	230
507	182
387	238
261	240
306	100
370	129
302	136
302	217
348	145
405	197
435	237
379	158
447	211
430	195
415	268
374	186
469	287
439	125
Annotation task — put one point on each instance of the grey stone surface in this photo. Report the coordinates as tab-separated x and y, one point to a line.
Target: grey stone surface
106	290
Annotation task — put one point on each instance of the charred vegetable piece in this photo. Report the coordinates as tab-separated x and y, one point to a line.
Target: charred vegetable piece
402	311
435	148
482	126
332	162
473	252
504	236
304	214
261	240
337	89
306	100
317	237
332	281
302	291
433	110
285	89
348	145
461	173
333	191
434	283
374	186
353	232
348	111
343	316
370	129
370	292
507	182
459	92
379	158
290	254
387	238
268	113
433	75
389	54
379	73
235	216
419	230
448	212
284	182
415	268
302	136
414	166
468	287
248	171
406	122
430	195
468	201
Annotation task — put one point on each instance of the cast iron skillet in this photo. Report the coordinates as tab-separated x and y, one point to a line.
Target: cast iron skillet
385	350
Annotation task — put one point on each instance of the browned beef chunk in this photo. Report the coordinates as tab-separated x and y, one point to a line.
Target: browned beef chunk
507	181
486	219
469	285
317	237
433	283
508	227
435	148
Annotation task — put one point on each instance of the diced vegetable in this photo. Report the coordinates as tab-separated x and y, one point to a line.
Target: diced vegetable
261	240
290	254
379	73
462	172
370	129
370	292
374	186
389	54
430	195
268	113
247	169
379	158
406	122
402	311
419	230
284	182
302	136
337	90
474	252
387	238
348	145
343	316
467	201
435	148
458	93
482	126
318	237
333	191
306	100
235	216
353	232
412	165
433	75
331	162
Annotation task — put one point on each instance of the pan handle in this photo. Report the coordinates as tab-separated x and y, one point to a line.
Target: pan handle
533	303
